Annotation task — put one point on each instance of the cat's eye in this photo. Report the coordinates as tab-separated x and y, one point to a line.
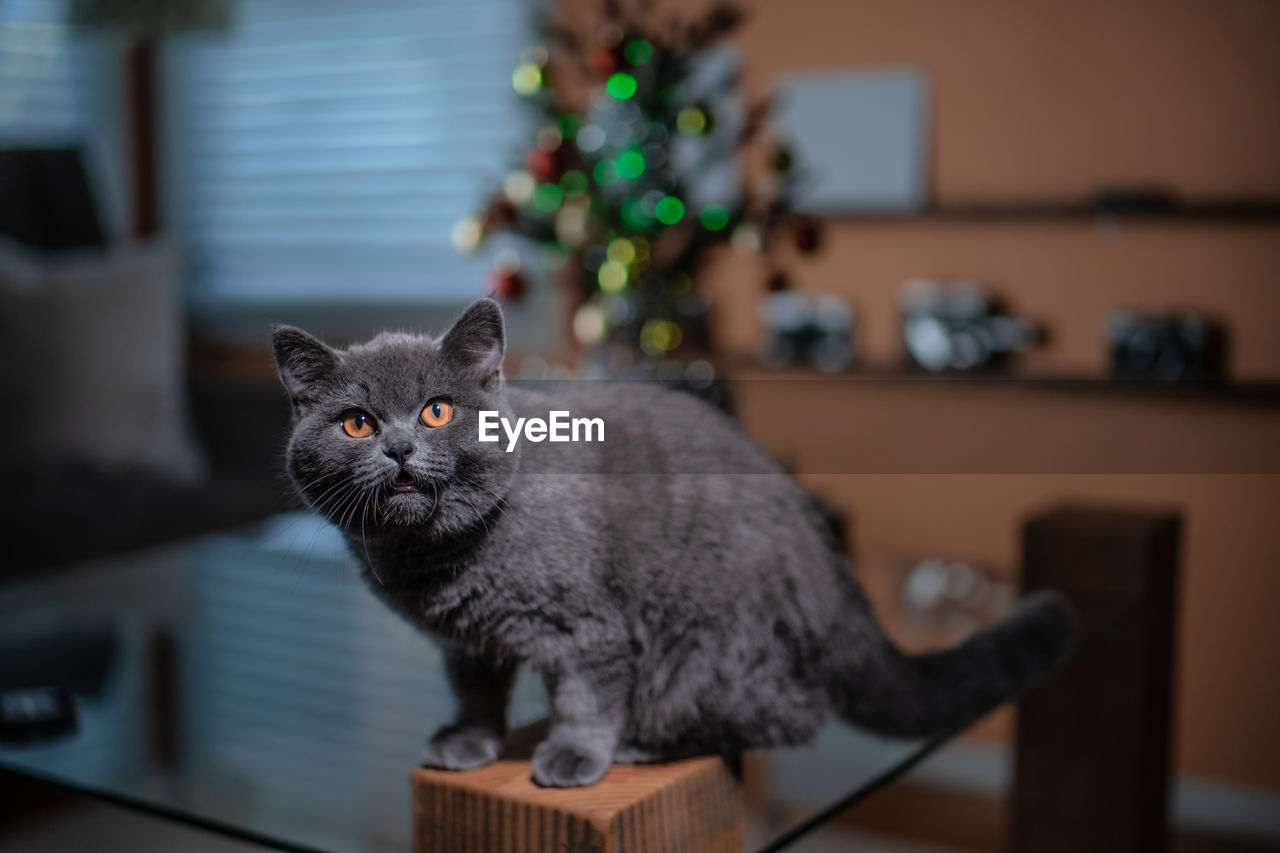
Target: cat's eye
358	425
437	413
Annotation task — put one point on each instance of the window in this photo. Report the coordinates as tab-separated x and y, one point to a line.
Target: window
320	150
39	89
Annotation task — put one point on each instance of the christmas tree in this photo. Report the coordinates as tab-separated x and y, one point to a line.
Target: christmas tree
618	185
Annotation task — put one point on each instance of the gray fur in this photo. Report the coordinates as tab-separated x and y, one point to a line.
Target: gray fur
669	612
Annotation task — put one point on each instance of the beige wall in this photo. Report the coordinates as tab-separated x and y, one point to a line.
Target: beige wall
1049	100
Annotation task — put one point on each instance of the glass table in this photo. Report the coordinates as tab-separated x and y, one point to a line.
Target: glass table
249	687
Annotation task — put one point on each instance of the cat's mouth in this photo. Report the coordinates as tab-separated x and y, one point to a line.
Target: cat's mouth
404	484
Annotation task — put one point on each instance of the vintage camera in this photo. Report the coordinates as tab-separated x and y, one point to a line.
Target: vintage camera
817	330
1162	347
959	326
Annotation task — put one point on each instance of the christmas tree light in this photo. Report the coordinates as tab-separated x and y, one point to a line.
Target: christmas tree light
603	191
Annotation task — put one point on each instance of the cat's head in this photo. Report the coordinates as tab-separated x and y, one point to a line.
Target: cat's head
385	433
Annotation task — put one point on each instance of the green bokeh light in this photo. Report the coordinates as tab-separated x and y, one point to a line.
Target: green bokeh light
714	217
638	51
573	183
569	125
547	197
633	213
621	85
605	173
669	210
630	164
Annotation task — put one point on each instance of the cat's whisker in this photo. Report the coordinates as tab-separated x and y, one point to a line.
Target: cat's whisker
363	540
499	499
479	515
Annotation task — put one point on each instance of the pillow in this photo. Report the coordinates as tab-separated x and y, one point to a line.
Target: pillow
92	362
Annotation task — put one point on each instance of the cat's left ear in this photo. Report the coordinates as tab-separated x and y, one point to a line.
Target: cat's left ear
478	340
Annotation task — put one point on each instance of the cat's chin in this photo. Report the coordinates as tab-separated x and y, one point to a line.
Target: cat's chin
405	509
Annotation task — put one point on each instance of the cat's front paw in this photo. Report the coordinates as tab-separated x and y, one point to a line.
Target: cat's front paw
564	764
462	748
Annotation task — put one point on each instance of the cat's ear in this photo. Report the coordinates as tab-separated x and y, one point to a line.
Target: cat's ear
478	340
305	364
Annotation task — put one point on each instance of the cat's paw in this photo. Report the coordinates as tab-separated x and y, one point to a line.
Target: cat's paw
562	764
462	748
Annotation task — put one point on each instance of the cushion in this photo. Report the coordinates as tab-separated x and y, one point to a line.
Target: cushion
92	362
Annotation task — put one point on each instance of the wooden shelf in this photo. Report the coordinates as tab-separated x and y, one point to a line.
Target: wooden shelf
1232	392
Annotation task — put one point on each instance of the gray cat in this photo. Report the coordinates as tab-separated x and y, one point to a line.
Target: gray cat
671	584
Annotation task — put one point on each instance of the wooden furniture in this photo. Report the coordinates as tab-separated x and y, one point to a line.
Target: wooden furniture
1093	742
693	805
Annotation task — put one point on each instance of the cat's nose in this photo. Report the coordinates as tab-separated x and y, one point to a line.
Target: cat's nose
398	449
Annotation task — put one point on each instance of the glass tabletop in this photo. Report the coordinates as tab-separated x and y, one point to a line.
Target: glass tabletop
249	684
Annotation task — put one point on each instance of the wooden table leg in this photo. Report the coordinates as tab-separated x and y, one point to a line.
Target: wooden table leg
1093	741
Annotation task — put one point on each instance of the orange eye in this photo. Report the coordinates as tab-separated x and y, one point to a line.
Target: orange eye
358	425
437	413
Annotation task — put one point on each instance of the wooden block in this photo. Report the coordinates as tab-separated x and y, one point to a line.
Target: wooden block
693	805
1092	767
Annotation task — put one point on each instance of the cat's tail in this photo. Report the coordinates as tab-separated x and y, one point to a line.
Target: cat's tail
891	693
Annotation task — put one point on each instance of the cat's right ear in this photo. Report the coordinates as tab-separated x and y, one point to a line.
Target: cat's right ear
305	364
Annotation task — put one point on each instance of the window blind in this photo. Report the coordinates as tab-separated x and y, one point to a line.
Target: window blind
320	150
39	87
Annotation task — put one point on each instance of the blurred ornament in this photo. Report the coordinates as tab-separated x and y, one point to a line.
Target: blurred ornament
714	217
638	52
466	235
621	85
630	164
782	160
610	35
748	238
518	187
693	120
536	54
526	79
669	210
603	61
549	138
573	183
612	276
541	164
589	324
506	280
621	250
806	235
547	198
659	336
572	223
590	138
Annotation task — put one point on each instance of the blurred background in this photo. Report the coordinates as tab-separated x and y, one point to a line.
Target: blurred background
951	263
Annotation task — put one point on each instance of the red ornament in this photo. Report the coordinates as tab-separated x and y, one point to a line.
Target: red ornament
541	164
507	284
806	236
603	61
